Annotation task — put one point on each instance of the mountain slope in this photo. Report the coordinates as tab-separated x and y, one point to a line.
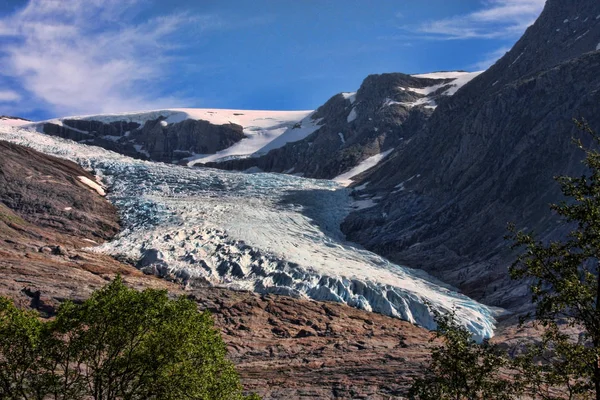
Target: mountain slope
487	156
382	115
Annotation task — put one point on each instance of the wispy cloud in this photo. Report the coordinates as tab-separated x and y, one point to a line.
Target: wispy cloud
9	96
93	56
496	19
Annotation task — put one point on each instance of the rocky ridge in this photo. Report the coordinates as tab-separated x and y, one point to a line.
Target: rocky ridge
154	139
383	114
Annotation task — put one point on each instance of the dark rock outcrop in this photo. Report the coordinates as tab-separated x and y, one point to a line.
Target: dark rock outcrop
154	140
487	156
46	191
380	116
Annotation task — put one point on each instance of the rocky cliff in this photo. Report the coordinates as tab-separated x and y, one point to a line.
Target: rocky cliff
154	139
487	156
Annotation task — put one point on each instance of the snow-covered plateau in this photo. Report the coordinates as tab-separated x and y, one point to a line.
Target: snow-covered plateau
269	233
264	130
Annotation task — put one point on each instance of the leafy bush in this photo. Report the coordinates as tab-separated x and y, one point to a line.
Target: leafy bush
463	369
119	344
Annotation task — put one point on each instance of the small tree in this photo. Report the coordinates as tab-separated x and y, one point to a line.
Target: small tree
565	284
119	344
463	369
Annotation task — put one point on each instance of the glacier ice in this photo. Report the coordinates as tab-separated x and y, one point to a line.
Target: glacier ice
270	233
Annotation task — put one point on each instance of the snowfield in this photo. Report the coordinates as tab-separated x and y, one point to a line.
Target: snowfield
13	121
269	233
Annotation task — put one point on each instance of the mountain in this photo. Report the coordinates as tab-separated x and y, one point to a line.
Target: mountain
184	136
383	114
487	156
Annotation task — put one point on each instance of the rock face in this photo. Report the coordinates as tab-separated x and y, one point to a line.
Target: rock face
487	156
382	115
47	191
155	140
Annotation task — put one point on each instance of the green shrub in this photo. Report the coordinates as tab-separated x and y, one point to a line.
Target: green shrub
119	344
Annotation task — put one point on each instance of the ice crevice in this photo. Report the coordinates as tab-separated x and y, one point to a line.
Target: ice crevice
265	232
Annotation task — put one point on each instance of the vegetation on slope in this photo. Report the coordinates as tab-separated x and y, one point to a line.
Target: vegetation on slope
118	344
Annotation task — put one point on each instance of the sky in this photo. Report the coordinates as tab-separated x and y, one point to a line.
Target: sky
77	57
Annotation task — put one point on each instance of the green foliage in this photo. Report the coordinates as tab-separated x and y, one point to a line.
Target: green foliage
463	369
119	344
565	284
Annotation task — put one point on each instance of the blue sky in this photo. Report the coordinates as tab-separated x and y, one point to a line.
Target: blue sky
71	57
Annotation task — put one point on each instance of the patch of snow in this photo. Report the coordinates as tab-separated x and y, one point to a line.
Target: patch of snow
516	59
269	233
350	96
598	46
352	116
296	132
566	21
389	102
345	179
361	187
164	123
461	81
460	78
68	208
362	204
557	29
342	138
582	35
442	75
495	83
427	90
94	185
140	149
424	101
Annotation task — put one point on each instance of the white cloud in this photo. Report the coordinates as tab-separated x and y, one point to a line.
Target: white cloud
496	19
9	96
92	56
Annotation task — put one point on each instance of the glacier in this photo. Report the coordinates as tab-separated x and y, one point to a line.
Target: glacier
264	232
